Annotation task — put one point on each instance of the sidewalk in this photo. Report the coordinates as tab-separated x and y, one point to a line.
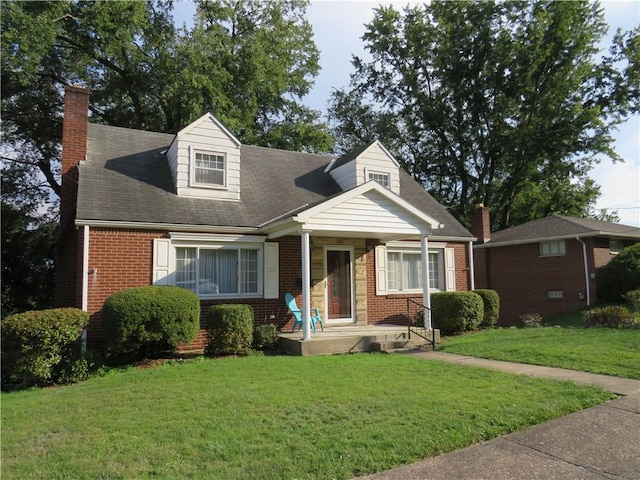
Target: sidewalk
601	442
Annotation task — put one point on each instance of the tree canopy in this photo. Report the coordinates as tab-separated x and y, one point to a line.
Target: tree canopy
501	103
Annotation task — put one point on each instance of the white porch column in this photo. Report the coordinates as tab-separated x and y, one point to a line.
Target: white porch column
472	272
306	286
426	299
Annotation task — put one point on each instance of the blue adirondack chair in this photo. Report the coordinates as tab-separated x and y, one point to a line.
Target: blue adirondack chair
297	314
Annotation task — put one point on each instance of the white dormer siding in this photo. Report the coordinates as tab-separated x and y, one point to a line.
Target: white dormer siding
205	161
375	162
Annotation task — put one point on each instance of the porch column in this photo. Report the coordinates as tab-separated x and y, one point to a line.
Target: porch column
426	299
306	286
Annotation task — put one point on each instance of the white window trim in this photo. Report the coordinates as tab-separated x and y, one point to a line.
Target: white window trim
164	270
440	251
192	169
368	172
562	253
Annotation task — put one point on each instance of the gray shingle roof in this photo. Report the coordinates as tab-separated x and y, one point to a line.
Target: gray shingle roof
556	226
127	178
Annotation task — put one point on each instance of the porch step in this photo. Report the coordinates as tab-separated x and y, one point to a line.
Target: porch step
395	345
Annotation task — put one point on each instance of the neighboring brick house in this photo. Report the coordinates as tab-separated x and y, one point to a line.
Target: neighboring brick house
239	223
545	266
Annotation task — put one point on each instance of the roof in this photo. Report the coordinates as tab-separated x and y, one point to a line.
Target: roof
559	227
126	178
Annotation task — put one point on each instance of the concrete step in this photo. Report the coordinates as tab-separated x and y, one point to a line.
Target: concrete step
396	345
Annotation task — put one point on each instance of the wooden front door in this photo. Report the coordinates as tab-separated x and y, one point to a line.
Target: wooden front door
339	285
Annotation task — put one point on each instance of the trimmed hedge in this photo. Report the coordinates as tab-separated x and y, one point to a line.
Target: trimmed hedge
149	320
265	337
491	302
612	316
620	275
42	347
229	329
455	312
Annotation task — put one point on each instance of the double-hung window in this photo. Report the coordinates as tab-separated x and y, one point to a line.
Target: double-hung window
555	248
209	169
218	271
404	271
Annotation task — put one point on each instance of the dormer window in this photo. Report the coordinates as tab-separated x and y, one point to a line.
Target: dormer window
381	177
209	169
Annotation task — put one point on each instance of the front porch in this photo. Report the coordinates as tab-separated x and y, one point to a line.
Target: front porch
353	338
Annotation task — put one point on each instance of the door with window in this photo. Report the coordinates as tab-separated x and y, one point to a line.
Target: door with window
339	269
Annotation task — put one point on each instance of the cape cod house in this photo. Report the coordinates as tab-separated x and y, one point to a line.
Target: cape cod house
545	266
353	236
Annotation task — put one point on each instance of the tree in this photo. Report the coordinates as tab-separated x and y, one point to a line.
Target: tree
500	103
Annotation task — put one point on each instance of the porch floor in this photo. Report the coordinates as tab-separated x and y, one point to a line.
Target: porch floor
349	339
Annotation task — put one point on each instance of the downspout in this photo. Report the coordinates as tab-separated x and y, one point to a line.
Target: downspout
472	272
586	269
85	281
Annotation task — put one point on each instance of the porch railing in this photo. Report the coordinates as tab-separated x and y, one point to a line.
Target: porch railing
414	320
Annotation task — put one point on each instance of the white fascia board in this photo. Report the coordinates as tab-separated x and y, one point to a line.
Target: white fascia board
208	237
538	240
305	216
218	123
330	166
163	226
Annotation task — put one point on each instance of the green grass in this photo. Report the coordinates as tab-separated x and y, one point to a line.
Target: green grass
270	417
566	344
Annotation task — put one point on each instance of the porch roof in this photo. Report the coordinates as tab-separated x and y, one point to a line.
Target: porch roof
366	211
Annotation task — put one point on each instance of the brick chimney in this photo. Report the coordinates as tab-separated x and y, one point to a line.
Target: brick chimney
480	224
74	148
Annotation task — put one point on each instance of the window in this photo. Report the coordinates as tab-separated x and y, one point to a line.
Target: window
381	178
548	249
555	294
218	271
615	246
404	271
209	169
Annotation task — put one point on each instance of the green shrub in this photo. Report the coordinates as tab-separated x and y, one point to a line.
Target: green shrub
149	320
531	320
633	299
491	302
620	275
612	316
42	347
455	312
229	329
265	337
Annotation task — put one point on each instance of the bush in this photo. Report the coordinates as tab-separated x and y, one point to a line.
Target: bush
455	312
633	299
42	347
149	320
491	302
229	329
611	317
531	320
620	275
265	337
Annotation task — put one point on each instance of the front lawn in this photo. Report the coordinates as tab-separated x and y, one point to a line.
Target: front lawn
270	417
598	350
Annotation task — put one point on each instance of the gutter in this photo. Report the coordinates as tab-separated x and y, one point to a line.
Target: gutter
586	269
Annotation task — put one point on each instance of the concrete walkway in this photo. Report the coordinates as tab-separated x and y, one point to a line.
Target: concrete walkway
601	442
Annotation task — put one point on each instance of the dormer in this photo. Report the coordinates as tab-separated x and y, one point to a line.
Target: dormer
371	162
204	159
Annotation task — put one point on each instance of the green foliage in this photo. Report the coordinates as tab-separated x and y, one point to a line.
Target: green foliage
612	316
633	299
502	103
265	337
491	302
229	329
150	320
531	320
620	275
455	312
42	347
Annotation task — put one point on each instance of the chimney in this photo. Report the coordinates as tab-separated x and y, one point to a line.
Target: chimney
74	149
480	224
75	126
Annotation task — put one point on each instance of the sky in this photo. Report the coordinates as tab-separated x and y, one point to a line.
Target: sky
338	26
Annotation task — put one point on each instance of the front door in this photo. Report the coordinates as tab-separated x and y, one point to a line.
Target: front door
339	285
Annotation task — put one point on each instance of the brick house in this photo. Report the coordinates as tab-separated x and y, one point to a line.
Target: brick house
245	224
545	266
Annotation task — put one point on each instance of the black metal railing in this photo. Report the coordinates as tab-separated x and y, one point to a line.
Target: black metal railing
414	320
